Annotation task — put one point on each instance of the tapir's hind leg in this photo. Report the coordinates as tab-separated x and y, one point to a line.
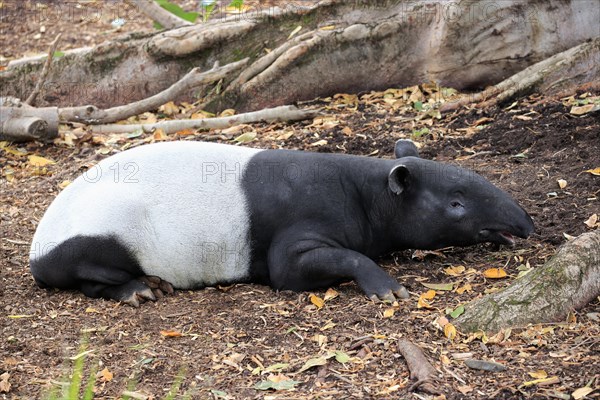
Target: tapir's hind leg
99	267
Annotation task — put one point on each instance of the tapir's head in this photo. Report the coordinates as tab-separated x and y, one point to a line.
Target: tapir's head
444	205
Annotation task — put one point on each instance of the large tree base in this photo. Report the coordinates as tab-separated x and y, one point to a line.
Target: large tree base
569	281
342	46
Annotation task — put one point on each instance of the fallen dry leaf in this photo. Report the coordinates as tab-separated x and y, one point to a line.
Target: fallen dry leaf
169	108
314	362
454	270
159	134
582	392
450	331
580	110
595	171
423	303
539	374
465	288
38	161
4	383
568	237
439	286
185	132
171	333
295	31
321	142
495	273
227	113
542	382
330	294
464	389
316	300
106	375
592	221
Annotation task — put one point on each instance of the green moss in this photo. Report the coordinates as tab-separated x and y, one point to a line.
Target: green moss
104	64
245	52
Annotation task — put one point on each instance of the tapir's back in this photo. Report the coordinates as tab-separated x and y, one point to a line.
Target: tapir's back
175	206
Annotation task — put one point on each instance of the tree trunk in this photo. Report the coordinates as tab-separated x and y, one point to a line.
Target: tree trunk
343	46
569	281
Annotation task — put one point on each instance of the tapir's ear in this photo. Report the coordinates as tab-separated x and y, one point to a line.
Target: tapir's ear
406	148
398	179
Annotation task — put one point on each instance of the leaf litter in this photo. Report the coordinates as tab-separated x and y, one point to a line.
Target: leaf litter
239	339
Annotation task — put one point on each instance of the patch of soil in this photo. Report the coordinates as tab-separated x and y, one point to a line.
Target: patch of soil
548	144
230	336
220	342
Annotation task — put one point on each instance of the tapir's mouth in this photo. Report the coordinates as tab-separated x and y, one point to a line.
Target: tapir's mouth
497	236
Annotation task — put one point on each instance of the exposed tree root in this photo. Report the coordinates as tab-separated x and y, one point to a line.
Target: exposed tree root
344	46
569	281
20	122
420	369
577	65
282	113
193	79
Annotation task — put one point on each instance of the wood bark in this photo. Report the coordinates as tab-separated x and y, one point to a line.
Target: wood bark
565	69
343	46
192	80
569	281
281	113
421	371
20	122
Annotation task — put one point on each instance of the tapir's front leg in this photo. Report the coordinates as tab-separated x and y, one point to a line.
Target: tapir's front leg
308	264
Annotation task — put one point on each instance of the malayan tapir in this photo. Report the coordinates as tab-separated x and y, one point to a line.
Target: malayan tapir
187	215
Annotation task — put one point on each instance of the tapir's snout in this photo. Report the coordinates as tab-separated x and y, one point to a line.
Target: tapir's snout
526	228
517	223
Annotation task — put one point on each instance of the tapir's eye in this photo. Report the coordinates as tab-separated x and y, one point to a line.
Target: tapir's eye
456	204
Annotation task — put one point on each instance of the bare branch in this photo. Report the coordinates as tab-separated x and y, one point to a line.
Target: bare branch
282	113
42	78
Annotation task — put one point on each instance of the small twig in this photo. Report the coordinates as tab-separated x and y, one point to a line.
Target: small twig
453	374
38	86
360	342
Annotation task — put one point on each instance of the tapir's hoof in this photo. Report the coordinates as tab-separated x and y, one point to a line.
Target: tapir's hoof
159	287
391	295
139	296
140	290
401	293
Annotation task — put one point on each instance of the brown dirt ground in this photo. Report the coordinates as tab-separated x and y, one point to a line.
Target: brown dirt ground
229	332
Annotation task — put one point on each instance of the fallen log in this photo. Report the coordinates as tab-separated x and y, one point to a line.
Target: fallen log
20	122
